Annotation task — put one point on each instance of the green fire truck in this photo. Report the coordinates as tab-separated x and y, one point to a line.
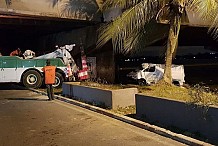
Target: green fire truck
29	71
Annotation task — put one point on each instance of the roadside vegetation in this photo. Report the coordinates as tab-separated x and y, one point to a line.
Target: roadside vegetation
139	25
199	94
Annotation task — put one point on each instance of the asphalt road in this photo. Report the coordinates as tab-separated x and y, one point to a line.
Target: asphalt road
28	119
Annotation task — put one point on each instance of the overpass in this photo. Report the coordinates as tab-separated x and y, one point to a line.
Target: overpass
43	23
39	25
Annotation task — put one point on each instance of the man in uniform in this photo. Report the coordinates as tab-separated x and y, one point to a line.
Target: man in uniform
49	74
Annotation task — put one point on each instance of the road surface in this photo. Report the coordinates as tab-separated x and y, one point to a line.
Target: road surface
28	119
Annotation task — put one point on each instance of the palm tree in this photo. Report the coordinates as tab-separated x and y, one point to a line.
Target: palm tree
132	28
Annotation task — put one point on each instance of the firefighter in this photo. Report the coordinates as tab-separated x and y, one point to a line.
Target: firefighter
16	52
49	74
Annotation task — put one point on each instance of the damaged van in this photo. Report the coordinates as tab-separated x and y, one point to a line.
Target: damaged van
152	73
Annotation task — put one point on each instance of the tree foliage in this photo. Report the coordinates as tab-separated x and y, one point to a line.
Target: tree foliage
138	14
131	29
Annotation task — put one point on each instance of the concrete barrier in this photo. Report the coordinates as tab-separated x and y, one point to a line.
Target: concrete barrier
179	114
111	99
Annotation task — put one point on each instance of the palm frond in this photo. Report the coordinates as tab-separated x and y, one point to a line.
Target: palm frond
207	10
139	41
122	4
129	23
214	28
55	2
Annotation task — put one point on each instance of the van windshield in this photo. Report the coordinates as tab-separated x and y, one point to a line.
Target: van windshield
150	69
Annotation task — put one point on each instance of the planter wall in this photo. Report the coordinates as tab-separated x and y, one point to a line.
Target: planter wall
110	98
179	114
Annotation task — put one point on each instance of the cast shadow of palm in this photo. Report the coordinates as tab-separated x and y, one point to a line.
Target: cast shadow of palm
78	9
8	2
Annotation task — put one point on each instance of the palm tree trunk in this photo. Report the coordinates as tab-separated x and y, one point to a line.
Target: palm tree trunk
175	24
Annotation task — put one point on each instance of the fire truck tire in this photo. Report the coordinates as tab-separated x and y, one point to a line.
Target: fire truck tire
58	80
32	79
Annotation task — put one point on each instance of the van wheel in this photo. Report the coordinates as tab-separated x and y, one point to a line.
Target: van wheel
58	80
142	82
176	83
32	79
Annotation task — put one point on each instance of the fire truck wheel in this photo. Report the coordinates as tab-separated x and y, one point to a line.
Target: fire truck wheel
32	79
58	80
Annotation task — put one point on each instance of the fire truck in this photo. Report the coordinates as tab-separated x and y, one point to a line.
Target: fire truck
29	71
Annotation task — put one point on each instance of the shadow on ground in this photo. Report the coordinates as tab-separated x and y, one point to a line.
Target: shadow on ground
28	99
11	86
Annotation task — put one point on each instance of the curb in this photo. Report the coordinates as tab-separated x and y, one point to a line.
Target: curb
152	128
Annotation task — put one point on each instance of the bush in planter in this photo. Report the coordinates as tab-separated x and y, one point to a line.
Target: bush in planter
203	97
193	117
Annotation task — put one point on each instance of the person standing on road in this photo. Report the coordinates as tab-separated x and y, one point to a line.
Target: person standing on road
49	74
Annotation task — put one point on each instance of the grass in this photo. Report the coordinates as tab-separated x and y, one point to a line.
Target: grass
199	94
171	92
129	110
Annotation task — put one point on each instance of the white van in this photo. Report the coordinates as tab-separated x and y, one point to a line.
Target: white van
152	73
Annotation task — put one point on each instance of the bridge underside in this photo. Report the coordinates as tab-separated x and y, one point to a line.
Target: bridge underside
22	30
